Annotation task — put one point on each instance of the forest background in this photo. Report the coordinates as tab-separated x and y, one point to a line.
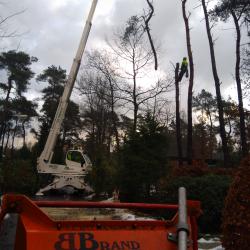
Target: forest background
146	132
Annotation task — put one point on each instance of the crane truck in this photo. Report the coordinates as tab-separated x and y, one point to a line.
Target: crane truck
77	164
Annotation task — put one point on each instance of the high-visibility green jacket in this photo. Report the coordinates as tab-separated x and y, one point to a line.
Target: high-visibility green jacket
184	63
69	157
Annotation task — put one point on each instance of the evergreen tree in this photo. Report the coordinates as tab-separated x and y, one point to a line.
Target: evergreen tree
144	160
56	78
16	66
23	111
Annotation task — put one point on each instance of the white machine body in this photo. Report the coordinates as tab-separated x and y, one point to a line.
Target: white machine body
77	163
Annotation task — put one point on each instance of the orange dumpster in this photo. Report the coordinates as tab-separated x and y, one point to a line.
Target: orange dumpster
37	231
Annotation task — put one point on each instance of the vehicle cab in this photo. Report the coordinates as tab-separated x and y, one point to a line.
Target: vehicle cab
76	160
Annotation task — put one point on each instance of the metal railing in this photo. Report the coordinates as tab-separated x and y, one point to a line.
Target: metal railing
182	228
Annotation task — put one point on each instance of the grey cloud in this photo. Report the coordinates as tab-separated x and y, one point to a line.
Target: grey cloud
53	34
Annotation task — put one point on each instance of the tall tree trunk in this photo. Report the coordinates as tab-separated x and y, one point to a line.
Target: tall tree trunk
7	140
3	138
13	139
114	123
203	143
217	87
5	109
210	153
239	90
135	117
190	87
24	135
3	135
103	127
177	114
116	135
134	96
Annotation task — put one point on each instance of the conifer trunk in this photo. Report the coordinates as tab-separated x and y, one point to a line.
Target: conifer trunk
239	89
177	114
190	87
217	87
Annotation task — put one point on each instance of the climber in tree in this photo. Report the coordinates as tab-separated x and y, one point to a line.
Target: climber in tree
184	69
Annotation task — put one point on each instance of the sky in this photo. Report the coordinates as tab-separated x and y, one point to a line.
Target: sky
50	30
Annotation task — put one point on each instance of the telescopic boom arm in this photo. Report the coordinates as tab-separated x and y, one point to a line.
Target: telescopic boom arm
47	153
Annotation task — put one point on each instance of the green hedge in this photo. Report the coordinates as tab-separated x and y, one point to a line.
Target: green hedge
211	190
18	176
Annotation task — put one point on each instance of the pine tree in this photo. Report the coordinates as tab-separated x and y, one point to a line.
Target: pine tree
144	159
56	78
17	67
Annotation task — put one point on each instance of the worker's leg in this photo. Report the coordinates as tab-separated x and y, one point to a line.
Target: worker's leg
181	75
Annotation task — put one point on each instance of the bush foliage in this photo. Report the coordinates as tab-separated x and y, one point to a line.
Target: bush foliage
199	168
210	190
18	176
236	215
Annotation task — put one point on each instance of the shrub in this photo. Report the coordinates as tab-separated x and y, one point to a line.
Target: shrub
103	175
210	190
19	177
236	215
199	168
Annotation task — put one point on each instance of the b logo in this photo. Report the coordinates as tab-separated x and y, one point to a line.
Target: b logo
67	242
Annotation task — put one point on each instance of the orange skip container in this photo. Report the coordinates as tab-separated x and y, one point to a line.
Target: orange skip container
37	231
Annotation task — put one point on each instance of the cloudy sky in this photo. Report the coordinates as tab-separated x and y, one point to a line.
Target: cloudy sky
51	29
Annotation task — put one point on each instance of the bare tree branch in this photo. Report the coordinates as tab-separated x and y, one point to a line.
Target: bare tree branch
146	20
5	34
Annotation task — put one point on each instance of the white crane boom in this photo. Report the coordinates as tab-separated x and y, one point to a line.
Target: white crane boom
77	163
47	153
